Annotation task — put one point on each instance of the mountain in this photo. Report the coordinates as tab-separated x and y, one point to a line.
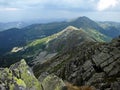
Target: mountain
89	64
20	37
9	25
67	38
111	29
71	55
48	47
42	49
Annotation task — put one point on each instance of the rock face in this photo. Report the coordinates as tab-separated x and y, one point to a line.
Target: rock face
94	64
18	77
52	82
98	66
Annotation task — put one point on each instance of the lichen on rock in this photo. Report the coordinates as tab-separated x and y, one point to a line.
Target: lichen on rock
17	78
52	82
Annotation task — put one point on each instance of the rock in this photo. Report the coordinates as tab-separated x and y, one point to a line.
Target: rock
43	76
101	57
115	86
93	64
52	82
107	62
18	77
96	78
87	65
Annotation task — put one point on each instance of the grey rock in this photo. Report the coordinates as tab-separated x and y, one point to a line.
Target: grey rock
18	77
52	82
97	65
115	86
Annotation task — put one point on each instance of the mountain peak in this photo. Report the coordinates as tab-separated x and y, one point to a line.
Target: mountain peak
68	30
71	28
83	18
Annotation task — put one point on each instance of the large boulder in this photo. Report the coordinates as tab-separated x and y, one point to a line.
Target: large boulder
18	77
51	82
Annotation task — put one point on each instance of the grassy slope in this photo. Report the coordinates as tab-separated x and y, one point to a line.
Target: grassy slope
35	47
93	33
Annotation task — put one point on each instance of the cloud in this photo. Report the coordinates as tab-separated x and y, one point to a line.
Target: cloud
106	4
76	5
27	9
62	4
9	9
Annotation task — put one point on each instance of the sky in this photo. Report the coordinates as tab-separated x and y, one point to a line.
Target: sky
23	10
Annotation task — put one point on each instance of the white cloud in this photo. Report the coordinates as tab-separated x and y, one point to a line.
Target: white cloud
9	9
27	9
106	4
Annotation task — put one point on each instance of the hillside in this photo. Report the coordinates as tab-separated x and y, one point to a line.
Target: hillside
111	29
93	64
42	49
20	37
89	66
9	25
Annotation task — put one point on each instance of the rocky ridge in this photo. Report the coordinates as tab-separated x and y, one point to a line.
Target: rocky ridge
93	64
87	68
20	77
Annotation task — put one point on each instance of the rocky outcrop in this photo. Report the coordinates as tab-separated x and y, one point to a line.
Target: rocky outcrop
93	64
51	82
99	66
18	77
89	65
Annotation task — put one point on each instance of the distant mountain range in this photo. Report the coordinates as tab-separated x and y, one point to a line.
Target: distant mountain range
9	25
79	54
18	37
46	40
112	29
20	24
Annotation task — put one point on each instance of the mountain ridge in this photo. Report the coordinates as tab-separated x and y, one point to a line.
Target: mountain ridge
36	31
45	48
89	64
74	55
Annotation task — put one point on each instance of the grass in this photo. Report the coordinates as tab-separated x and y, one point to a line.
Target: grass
41	41
98	36
38	45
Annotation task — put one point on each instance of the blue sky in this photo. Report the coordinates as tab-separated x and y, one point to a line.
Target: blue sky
21	10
